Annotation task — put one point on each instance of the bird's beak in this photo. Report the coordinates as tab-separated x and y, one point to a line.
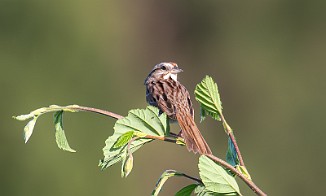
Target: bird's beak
176	70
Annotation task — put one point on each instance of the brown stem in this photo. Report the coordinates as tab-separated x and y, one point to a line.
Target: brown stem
231	135
226	165
99	111
117	116
223	163
250	183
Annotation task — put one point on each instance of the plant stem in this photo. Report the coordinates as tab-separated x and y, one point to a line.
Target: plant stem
129	145
162	138
226	165
99	111
231	135
117	116
193	178
223	163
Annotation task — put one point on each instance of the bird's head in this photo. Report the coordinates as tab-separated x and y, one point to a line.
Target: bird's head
165	70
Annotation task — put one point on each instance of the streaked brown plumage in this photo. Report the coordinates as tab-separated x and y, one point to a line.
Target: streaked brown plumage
164	91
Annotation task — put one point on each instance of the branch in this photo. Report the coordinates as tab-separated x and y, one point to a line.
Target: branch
223	163
95	110
226	165
172	138
231	135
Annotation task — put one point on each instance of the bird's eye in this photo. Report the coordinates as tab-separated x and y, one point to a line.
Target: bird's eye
163	68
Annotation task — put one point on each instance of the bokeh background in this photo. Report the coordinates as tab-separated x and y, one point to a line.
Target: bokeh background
268	58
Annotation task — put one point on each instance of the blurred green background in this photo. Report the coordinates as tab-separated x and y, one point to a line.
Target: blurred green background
268	58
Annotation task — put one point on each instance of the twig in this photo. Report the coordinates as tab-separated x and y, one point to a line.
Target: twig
193	178
226	165
162	138
99	111
129	145
231	135
223	163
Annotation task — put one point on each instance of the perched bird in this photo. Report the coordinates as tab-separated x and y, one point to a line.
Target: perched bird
164	91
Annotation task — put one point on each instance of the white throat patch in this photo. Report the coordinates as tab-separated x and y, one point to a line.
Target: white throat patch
173	76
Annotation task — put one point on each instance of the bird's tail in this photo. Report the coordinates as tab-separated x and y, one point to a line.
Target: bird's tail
194	140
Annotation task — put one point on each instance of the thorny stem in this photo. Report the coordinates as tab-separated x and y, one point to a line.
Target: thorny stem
224	164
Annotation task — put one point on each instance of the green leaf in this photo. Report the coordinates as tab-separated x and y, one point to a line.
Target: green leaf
231	154
60	136
207	95
186	191
123	160
139	134
244	171
147	121
200	190
124	139
203	114
127	166
28	129
215	178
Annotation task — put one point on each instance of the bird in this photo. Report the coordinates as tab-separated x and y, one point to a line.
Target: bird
163	90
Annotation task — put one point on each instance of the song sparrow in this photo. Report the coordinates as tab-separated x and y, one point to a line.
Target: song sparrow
164	91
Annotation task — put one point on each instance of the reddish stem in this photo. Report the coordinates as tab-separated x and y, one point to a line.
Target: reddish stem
231	135
250	183
224	164
99	111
